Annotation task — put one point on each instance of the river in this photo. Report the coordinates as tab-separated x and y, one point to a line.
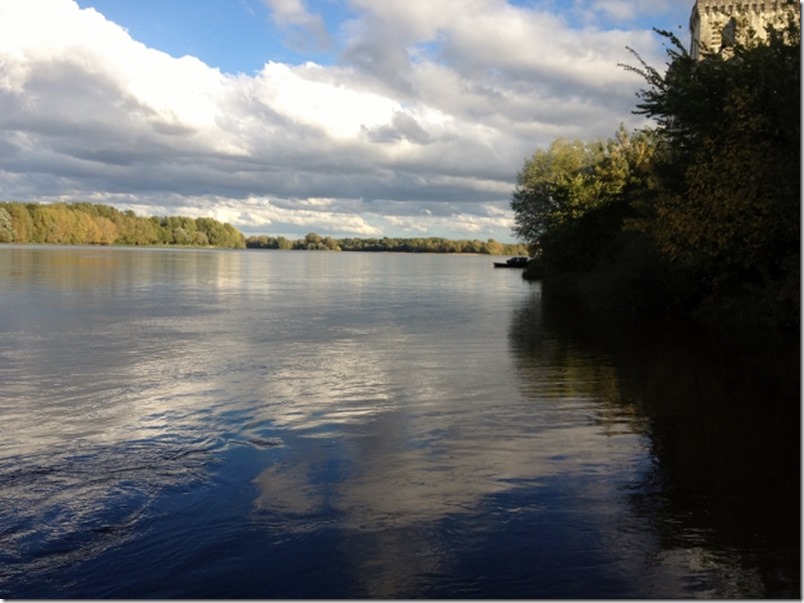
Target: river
286	424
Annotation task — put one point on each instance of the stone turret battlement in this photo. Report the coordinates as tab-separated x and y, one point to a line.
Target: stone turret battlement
714	24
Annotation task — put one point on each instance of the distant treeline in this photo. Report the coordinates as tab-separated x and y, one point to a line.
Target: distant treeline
97	224
414	245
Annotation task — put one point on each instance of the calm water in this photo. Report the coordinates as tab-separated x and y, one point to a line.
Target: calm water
193	423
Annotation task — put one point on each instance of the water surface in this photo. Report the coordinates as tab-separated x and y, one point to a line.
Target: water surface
266	424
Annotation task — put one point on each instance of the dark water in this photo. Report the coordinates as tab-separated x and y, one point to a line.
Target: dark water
263	424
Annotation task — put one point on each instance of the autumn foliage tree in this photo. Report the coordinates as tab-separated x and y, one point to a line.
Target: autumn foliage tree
98	224
573	198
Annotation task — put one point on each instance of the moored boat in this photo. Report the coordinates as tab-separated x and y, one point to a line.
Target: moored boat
517	262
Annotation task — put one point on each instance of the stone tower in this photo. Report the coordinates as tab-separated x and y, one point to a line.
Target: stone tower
714	24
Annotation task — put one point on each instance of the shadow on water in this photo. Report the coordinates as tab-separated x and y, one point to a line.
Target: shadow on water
722	414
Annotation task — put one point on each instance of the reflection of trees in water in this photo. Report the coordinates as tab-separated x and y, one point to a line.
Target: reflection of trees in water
551	362
722	411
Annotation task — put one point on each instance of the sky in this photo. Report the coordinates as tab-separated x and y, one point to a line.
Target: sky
348	118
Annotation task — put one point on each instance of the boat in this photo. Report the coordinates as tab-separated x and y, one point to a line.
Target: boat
517	262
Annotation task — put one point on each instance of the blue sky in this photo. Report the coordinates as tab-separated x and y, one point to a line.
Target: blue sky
233	35
342	117
241	35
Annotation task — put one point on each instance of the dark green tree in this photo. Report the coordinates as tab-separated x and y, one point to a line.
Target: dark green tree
727	211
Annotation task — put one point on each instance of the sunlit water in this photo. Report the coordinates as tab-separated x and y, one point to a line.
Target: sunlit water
262	424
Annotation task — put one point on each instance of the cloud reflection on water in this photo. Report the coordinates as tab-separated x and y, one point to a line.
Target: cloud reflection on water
412	449
421	447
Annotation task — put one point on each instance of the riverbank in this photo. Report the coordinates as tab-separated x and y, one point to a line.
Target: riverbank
656	292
